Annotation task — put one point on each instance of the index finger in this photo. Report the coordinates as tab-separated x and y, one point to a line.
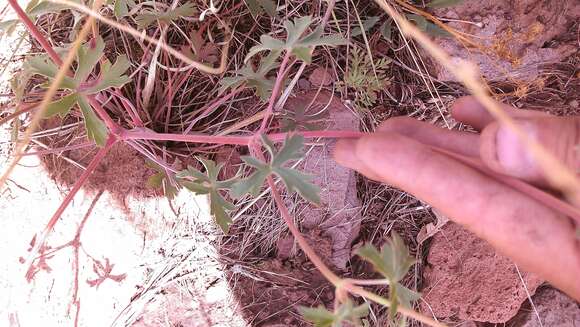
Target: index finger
531	234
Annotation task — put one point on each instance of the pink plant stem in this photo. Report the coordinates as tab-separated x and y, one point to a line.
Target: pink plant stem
213	106
64	204
275	91
129	107
308	250
76	244
231	140
35	32
59	150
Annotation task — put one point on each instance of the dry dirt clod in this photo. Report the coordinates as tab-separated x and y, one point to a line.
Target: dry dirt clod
320	77
339	214
467	280
520	35
554	309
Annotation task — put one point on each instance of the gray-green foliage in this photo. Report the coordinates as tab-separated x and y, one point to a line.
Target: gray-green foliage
293	179
145	19
33	10
162	179
363	80
209	183
301	117
298	45
426	26
255	79
88	56
346	312
258	6
393	262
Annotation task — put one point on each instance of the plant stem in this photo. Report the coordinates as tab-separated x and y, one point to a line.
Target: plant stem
35	32
64	204
400	309
327	273
231	140
309	251
275	92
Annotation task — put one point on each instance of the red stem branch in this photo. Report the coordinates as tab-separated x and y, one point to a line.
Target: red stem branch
231	140
64	204
275	91
35	32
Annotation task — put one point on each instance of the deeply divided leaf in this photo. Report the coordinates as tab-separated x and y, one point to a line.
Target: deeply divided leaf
186	10
295	43
293	179
346	312
258	6
96	128
209	184
393	262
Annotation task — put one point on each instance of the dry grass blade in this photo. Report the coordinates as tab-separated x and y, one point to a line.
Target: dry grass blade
560	176
138	35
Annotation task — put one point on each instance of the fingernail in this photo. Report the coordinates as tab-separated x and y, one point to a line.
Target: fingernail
344	152
512	154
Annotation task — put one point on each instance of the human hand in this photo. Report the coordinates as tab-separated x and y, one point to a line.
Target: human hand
536	237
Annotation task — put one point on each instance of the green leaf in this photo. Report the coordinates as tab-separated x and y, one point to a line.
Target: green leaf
218	206
161	179
292	150
208	183
293	179
146	19
251	184
346	312
367	25
7	27
302	118
112	76
299	182
155	180
42	65
96	128
62	106
254	79
393	261
47	7
302	54
258	6
443	3
426	26
121	7
295	43
87	58
386	30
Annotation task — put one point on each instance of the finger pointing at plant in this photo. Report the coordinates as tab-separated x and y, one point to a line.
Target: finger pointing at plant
533	235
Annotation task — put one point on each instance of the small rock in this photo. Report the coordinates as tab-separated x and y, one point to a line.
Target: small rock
320	77
339	215
303	84
467	280
554	309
